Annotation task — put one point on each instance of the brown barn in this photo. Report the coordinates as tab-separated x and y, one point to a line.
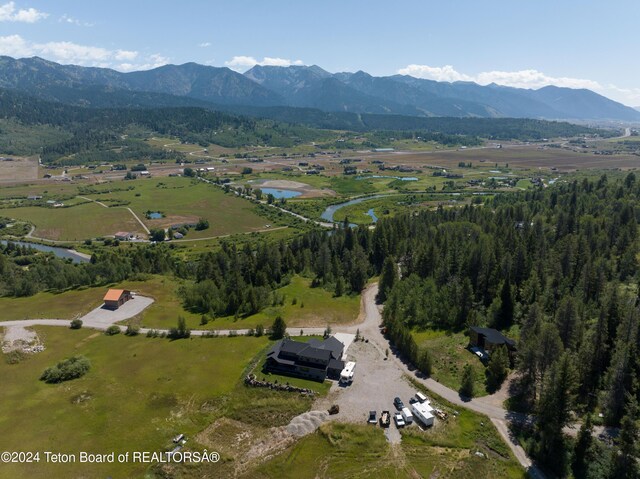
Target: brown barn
116	298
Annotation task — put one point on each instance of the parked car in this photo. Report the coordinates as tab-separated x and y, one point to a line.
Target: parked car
399	420
372	417
397	402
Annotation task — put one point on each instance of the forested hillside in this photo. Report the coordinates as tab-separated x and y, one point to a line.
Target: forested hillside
94	133
557	265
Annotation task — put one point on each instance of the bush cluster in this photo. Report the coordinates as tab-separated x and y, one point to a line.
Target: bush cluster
71	368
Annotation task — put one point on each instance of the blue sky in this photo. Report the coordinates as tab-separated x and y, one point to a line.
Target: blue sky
522	43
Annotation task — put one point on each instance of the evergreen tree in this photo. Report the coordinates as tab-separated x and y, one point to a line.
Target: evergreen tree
504	315
278	328
626	462
339	291
468	382
554	407
497	369
424	362
583	445
388	278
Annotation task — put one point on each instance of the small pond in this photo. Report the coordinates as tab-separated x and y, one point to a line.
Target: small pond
59	252
279	193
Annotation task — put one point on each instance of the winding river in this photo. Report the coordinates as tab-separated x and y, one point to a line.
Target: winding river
327	215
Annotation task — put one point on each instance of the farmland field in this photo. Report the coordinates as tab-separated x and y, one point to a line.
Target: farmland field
181	200
79	222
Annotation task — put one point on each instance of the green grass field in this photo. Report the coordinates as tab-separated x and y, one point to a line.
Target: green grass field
448	358
46	305
139	393
80	222
339	450
314	306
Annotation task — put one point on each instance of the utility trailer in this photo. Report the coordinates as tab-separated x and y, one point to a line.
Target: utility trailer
385	419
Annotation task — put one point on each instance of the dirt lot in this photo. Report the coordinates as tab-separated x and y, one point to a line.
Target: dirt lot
517	156
18	169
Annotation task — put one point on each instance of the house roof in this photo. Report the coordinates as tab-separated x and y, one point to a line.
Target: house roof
334	345
328	350
113	294
292	347
315	353
493	335
336	364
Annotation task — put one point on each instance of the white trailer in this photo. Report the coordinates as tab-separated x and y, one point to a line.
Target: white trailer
346	376
423	412
406	414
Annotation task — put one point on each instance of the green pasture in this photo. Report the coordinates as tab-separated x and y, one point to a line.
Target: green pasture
139	393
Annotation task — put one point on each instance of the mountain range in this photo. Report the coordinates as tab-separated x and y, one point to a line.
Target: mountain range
311	87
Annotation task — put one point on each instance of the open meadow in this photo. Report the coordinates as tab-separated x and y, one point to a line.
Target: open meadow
139	393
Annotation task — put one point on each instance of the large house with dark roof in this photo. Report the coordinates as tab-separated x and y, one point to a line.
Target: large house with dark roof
314	359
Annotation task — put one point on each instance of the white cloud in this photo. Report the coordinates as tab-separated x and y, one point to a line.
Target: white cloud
517	79
245	62
127	55
9	13
14	46
69	52
445	73
74	21
204	44
533	79
73	53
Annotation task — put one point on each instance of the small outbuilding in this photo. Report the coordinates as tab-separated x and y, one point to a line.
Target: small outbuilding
123	236
488	339
116	298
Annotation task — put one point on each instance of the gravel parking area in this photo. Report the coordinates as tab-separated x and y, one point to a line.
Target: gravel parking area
17	337
377	381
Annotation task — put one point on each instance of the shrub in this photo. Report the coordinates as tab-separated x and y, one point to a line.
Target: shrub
132	330
76	324
259	330
71	368
181	331
112	330
202	224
